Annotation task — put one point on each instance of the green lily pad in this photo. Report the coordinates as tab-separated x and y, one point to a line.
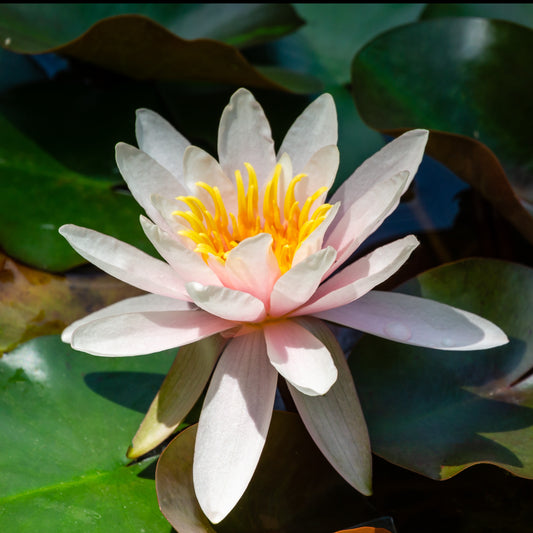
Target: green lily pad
438	412
67	419
285	495
398	83
36	303
120	38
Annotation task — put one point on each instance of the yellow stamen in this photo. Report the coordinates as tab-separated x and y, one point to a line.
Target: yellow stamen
217	233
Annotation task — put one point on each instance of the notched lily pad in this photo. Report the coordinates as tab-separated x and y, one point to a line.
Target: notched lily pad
285	495
438	412
398	84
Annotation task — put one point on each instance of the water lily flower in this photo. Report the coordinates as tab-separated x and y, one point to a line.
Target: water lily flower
251	255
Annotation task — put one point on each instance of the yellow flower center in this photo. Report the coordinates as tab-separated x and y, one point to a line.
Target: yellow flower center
289	224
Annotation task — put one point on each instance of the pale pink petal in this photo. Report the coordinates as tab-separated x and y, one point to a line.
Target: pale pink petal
252	267
227	303
189	265
335	420
145	177
363	217
137	304
403	154
233	425
314	128
314	242
418	321
299	357
244	136
361	276
299	283
165	206
320	171
160	141
144	333
180	390
125	262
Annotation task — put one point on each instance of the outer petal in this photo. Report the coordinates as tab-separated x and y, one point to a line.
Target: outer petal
361	276
137	304
299	283
299	357
314	128
160	140
417	321
188	264
198	165
181	388
335	420
125	262
403	154
364	216
144	333
227	303
252	267
244	136
145	176
233	425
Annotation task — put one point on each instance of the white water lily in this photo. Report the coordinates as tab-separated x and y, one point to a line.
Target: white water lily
251	252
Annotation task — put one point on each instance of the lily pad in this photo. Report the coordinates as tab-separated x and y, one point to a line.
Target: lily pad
285	495
110	36
36	303
437	412
67	419
397	83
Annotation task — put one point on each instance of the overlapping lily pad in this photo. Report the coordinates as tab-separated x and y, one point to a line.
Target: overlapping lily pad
285	494
67	419
438	412
445	74
35	303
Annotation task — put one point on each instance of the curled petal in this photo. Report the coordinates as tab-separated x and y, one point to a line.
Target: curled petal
244	136
227	303
300	357
125	262
144	333
233	425
160	140
315	128
418	321
335	420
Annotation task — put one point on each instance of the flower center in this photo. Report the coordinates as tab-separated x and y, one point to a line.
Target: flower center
216	234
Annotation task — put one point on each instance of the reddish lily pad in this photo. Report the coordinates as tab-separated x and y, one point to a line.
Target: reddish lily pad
397	83
285	495
35	303
438	412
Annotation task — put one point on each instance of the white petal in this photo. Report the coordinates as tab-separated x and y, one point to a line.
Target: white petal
233	425
227	303
314	128
165	206
244	136
188	264
361	276
252	267
403	154
299	283
145	177
299	357
160	140
418	321
335	420
364	216
144	333
198	165
125	262
137	304
180	390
